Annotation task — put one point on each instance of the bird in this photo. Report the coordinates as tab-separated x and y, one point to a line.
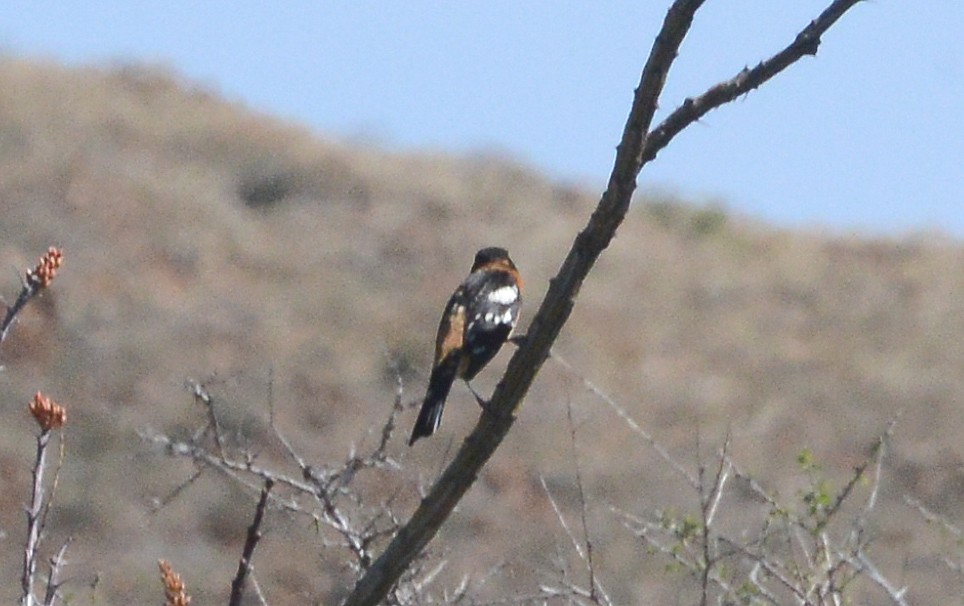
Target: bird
478	318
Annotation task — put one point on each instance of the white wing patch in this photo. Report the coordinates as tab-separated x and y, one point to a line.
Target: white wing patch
492	317
505	295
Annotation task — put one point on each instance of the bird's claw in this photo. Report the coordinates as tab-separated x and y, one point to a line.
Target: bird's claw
482	402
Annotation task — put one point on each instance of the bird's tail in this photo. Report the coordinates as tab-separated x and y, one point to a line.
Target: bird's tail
429	417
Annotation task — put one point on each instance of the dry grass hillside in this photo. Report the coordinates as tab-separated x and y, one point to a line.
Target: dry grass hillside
206	241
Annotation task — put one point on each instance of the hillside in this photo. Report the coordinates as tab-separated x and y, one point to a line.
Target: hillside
206	241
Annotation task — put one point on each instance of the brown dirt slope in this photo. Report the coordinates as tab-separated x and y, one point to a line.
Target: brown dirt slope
203	239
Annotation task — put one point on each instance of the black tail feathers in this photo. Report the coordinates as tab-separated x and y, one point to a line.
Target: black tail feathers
439	385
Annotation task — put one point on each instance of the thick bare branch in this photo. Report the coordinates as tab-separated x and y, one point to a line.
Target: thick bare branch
545	327
636	148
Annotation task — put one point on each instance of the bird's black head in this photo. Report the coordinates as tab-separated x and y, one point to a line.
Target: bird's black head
489	255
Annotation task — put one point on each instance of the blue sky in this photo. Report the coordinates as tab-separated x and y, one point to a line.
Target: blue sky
868	136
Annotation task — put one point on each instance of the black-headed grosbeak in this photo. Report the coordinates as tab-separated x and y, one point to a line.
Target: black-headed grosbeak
478	319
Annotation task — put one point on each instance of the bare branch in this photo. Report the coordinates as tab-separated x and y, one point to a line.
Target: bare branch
793	585
712	500
934	518
34	281
583	553
863	563
630	422
34	518
709	501
327	494
56	568
594	586
257	590
203	397
160	503
254	535
694	108
636	147
649	531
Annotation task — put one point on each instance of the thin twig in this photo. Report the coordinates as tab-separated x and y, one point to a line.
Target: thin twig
336	505
397	408
594	586
26	293
646	530
57	564
863	563
879	451
708	504
576	544
630	422
758	585
52	492
254	535
183	449
770	569
34	519
49	416
34	281
164	501
719	481
843	494
203	397
257	589
694	108
934	518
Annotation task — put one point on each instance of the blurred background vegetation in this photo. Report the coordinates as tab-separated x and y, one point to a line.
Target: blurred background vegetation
205	241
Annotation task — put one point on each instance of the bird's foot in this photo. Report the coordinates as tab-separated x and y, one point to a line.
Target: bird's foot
482	402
